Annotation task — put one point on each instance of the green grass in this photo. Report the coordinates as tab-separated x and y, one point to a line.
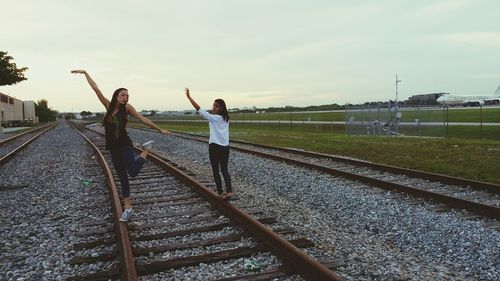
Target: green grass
474	114
464	132
474	159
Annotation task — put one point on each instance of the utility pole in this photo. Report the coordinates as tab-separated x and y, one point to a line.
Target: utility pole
396	104
397	82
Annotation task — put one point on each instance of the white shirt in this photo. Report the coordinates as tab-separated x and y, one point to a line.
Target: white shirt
219	129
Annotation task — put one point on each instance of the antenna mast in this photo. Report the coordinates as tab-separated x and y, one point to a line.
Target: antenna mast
397	82
397	107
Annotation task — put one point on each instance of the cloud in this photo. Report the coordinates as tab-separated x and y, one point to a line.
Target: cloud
250	52
283	98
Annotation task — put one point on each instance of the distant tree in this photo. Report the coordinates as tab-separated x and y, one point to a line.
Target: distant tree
44	113
85	113
9	73
69	115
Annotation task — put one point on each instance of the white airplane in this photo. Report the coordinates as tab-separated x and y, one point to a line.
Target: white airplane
449	99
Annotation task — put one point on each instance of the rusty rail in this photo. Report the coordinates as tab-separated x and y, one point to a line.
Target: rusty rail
9	155
24	133
483	209
294	257
490	187
296	260
128	271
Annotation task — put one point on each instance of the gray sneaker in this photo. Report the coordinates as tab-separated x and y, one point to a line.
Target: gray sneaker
126	214
148	145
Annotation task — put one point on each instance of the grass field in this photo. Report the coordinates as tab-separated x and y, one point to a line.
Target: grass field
474	159
439	115
453	114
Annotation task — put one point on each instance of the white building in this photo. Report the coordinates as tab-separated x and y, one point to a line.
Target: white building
14	112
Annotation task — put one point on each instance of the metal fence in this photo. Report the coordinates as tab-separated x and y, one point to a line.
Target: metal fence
381	119
423	121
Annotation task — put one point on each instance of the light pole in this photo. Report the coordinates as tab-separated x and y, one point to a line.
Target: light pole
397	116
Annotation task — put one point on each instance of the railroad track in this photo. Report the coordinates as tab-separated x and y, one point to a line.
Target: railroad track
480	198
13	145
179	223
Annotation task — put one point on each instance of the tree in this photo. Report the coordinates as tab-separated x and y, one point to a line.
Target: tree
85	113
44	113
9	73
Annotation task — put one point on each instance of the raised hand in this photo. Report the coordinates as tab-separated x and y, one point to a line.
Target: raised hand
78	71
195	105
92	84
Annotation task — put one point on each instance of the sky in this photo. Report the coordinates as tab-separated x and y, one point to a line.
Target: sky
250	52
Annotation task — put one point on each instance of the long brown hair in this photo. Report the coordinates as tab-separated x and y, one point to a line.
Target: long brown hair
224	113
112	105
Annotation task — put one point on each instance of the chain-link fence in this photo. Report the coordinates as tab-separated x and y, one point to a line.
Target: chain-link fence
422	120
382	119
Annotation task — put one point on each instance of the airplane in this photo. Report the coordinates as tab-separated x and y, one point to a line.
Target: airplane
450	99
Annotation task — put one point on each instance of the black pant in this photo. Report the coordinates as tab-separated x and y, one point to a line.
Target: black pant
219	156
124	160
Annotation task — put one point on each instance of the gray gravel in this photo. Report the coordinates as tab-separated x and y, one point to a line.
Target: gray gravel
379	236
39	222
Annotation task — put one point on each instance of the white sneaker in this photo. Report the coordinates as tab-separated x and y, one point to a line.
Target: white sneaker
126	214
148	145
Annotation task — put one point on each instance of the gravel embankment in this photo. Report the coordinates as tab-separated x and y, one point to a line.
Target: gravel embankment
378	237
40	221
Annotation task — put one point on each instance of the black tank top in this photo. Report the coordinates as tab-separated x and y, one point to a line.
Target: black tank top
116	132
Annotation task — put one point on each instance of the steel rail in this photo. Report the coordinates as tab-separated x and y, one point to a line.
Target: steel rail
127	264
491	187
296	260
9	155
483	209
486	210
24	133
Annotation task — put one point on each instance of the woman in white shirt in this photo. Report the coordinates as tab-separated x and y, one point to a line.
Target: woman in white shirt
218	144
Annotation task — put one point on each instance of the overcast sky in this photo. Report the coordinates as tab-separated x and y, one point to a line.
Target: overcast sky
250	52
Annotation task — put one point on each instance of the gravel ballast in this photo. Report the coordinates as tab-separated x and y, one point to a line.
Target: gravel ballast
61	180
379	236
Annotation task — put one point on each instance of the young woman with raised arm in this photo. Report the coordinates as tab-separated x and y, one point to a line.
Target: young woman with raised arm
117	139
218	143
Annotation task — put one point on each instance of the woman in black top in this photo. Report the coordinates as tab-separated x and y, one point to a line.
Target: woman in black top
117	139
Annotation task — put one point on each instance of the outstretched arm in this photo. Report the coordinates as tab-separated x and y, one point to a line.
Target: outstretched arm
96	89
195	105
144	120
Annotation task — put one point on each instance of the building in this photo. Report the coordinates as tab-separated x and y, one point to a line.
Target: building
14	112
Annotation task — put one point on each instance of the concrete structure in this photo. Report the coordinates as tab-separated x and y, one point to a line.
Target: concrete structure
14	112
